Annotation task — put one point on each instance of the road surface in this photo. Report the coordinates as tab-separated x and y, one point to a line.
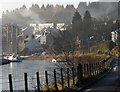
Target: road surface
110	82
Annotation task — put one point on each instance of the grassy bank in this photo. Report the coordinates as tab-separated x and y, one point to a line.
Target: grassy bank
82	58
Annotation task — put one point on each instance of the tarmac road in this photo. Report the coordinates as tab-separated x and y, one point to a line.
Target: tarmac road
110	82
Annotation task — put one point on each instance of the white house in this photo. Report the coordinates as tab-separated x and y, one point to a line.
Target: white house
39	27
115	34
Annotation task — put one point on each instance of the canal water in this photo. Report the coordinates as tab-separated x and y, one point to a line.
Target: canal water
18	69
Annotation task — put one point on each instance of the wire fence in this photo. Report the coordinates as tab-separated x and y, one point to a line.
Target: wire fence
57	79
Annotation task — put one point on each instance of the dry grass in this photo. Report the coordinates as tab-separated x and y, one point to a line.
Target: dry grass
115	51
88	58
77	57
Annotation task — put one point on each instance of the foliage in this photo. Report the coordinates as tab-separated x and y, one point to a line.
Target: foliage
88	58
77	24
58	13
115	51
76	17
103	46
62	43
81	28
87	16
87	24
111	45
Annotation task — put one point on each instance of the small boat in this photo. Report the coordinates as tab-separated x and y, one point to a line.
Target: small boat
54	60
58	60
13	58
4	61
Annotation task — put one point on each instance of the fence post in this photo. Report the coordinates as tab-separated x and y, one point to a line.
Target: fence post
96	68
100	67
62	81
87	66
68	80
55	80
90	70
26	83
103	65
10	83
46	79
38	82
73	76
79	73
84	71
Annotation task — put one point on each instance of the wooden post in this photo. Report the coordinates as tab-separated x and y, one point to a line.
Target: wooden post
73	76
79	73
94	69
99	67
46	78
38	82
87	66
10	83
55	80
84	70
62	81
26	83
68	80
103	66
90	70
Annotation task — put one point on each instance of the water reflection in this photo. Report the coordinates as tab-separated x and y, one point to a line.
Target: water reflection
11	65
18	70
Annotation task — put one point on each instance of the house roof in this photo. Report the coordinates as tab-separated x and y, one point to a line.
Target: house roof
118	30
37	36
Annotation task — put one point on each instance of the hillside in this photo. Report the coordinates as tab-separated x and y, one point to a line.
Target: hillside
59	13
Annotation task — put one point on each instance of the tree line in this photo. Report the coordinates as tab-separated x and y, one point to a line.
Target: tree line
86	23
88	30
23	16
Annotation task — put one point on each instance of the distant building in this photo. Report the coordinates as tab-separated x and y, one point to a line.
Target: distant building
33	46
39	27
115	34
28	31
25	34
60	26
48	36
10	39
44	37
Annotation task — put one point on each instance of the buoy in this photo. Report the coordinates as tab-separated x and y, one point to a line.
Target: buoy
54	60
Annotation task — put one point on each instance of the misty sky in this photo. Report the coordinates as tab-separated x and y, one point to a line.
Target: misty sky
12	4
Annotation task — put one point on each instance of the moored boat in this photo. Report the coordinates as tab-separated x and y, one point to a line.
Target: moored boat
58	60
4	61
13	58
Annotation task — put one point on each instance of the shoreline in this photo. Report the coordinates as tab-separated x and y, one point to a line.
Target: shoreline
89	58
43	57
